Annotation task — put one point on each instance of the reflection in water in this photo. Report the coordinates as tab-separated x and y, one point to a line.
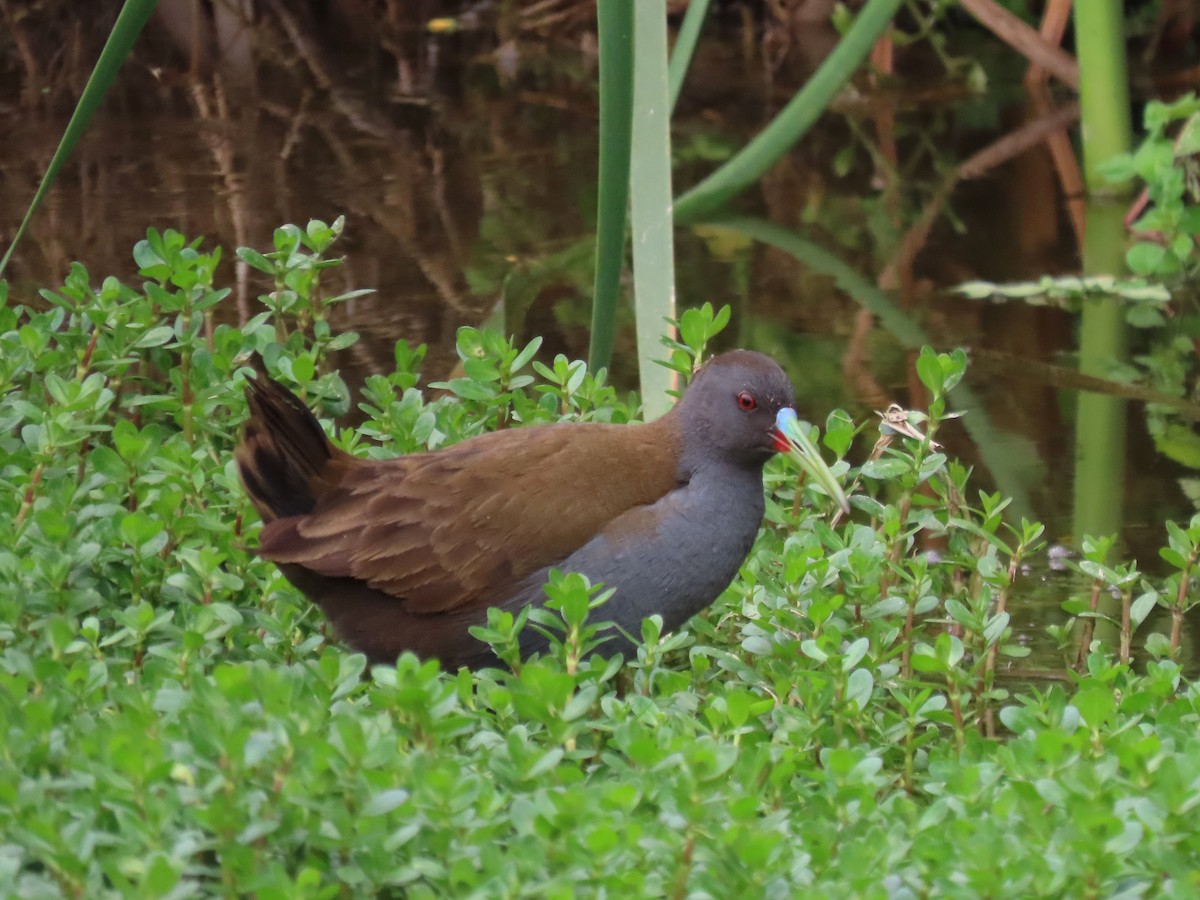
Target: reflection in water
465	166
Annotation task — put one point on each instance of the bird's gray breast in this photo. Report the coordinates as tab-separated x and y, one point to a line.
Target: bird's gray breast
673	557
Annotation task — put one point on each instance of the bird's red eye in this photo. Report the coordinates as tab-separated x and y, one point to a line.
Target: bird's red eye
746	401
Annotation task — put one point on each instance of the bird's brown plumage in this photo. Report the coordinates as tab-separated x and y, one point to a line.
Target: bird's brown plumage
444	532
408	553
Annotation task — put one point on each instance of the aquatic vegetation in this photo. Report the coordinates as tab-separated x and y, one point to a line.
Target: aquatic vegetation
853	717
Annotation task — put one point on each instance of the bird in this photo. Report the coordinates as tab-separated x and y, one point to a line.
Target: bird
407	554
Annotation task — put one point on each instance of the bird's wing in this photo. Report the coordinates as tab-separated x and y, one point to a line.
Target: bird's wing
456	528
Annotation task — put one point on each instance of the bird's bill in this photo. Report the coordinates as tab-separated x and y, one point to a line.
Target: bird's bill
792	438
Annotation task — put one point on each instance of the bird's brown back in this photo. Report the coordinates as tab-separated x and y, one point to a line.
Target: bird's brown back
451	529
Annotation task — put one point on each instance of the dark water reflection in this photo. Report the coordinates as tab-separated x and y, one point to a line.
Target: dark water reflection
458	159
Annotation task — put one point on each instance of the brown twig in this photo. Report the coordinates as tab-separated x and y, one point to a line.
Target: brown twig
1025	40
1054	26
1066	163
1185	579
989	666
30	495
1012	144
1089	625
854	363
1126	626
25	50
1016	142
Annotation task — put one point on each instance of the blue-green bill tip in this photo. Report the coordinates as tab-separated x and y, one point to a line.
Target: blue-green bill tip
792	439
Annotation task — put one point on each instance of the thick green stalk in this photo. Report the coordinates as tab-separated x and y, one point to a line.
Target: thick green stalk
793	120
615	28
1103	87
653	225
1100	419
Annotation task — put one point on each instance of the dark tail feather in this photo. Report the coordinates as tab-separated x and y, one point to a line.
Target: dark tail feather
282	450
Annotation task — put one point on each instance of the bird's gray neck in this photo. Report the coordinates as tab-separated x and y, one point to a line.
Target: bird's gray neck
731	491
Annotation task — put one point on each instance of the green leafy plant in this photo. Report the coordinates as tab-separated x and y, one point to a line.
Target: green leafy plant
1165	162
848	718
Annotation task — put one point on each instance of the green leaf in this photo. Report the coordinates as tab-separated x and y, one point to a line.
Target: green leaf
886	468
1141	607
960	613
154	337
523	358
923	660
256	260
812	650
1146	258
929	370
138	529
544	763
1095	704
859	688
854	653
465	388
1174	557
384	802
